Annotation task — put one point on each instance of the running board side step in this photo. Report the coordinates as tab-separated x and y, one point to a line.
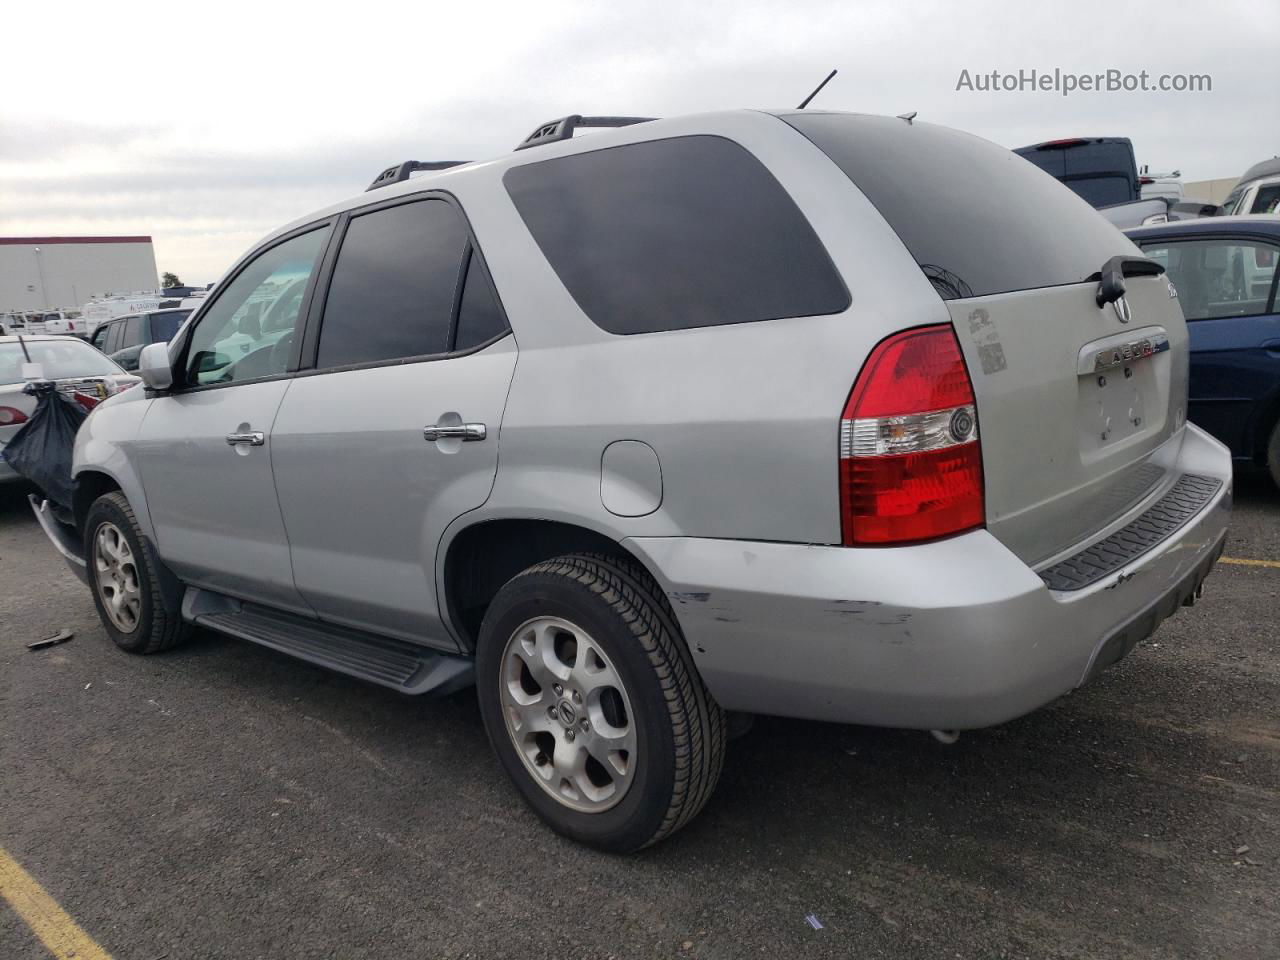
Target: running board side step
401	666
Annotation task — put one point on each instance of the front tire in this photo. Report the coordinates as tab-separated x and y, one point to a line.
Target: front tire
592	702
122	576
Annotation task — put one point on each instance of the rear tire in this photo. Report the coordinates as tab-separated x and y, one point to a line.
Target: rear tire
592	702
1273	454
122	576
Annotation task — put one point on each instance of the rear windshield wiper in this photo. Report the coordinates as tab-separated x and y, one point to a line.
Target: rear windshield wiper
1110	278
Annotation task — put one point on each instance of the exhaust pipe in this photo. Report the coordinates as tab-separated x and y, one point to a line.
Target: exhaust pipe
945	736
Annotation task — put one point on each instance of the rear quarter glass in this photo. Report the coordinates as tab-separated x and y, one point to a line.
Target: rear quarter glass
675	233
976	217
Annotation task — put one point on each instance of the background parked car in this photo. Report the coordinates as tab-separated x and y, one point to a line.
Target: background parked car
1258	190
80	372
122	339
1224	270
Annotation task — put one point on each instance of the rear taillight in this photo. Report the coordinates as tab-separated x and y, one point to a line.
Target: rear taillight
10	416
910	464
86	400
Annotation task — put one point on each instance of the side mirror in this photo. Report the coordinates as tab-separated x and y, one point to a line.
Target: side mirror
154	367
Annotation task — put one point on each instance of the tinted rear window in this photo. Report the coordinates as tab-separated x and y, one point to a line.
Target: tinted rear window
1102	191
672	234
977	218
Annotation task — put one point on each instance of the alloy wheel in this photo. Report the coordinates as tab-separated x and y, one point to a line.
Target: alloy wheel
568	714
116	575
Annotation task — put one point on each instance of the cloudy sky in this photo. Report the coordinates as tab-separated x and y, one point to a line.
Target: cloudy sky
207	125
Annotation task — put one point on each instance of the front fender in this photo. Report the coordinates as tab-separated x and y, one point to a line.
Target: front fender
102	446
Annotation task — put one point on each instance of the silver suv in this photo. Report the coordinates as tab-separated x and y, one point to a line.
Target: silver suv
820	415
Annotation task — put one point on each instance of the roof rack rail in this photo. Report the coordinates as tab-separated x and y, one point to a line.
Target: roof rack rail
400	172
562	129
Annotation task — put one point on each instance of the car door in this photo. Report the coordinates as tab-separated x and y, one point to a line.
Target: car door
411	338
1227	288
204	448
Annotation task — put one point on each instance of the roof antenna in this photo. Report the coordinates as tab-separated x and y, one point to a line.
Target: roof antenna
908	116
805	102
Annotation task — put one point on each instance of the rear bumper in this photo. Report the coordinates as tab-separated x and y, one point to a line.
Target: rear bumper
956	634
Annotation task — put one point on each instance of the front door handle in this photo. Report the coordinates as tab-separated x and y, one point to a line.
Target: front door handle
455	431
254	438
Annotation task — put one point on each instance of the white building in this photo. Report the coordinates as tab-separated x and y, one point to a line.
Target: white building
52	273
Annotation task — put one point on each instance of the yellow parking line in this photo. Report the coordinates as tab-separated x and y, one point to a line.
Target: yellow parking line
60	935
1241	561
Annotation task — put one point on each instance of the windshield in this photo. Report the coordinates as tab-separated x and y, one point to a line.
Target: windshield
165	325
61	360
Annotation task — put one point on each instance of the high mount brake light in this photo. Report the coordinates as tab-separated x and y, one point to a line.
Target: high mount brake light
910	463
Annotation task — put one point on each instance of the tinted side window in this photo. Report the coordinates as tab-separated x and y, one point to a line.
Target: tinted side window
672	234
112	342
394	285
99	338
1219	278
165	325
231	342
1267	199
132	335
479	316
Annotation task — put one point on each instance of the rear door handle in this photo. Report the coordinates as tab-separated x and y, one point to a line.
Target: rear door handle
254	438
455	431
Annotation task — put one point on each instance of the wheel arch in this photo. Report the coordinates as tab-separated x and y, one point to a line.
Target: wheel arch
90	485
482	556
1265	419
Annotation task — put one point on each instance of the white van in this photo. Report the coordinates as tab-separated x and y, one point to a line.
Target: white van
102	309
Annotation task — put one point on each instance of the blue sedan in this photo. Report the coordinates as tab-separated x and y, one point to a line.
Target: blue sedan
1225	272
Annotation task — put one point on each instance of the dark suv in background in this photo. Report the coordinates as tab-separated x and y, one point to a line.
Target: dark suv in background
123	338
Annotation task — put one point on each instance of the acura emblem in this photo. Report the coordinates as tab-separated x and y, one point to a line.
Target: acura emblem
1122	309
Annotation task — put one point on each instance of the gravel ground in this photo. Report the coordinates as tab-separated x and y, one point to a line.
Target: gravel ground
224	801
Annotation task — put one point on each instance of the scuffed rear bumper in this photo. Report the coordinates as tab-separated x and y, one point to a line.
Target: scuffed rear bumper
956	634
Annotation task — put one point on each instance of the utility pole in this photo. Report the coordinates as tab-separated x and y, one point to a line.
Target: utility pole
44	291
